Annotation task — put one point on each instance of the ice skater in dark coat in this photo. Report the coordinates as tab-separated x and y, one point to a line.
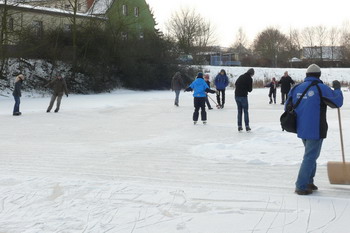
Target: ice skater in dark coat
286	83
17	94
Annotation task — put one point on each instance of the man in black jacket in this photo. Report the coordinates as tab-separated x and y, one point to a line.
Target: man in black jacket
244	84
286	82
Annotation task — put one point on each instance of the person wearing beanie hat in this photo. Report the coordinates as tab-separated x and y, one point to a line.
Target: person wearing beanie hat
286	82
251	71
244	84
200	89
17	94
311	122
221	82
313	70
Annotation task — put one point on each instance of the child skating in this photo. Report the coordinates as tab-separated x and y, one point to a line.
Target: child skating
200	89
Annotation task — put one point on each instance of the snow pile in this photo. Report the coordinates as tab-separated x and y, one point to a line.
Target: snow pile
328	74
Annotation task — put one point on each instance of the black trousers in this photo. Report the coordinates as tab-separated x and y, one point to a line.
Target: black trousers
207	102
199	103
272	93
222	92
284	97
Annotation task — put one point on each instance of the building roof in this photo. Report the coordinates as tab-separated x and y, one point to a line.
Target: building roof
100	7
14	3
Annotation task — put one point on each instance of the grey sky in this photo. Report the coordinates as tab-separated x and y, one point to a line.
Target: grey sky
254	16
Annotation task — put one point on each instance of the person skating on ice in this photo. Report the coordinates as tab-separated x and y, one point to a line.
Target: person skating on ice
17	94
59	86
221	82
273	89
244	84
200	89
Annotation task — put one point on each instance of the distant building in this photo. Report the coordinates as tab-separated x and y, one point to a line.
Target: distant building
132	17
224	59
324	53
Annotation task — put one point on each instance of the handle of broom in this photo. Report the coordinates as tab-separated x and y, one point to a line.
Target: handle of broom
341	136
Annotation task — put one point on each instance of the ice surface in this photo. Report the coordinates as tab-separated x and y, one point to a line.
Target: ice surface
131	161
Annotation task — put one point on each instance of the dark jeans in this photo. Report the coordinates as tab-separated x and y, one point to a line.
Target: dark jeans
177	94
223	97
272	94
52	101
199	103
242	106
17	103
284	97
207	101
308	167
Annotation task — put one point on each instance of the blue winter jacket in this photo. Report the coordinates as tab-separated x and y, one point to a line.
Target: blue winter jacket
221	81
199	86
311	112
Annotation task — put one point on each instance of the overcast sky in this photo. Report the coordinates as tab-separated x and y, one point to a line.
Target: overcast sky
254	16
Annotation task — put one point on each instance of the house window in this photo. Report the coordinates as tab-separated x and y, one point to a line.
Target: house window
136	11
67	7
125	10
38	28
124	35
11	24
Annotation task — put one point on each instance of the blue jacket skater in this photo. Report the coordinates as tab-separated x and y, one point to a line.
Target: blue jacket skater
200	87
221	81
311	112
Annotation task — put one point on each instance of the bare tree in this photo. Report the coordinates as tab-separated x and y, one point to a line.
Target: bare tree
4	36
190	30
334	37
270	44
345	41
241	42
321	38
309	40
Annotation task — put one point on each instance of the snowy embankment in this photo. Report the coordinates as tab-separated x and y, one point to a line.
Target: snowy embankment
328	74
132	162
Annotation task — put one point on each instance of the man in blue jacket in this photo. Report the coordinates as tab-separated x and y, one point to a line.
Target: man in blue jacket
311	122
221	82
200	88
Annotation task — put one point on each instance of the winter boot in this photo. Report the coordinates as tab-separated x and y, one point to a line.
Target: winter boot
312	187
248	129
240	128
303	192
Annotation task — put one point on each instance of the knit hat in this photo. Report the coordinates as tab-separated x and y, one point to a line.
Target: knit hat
313	68
251	71
200	75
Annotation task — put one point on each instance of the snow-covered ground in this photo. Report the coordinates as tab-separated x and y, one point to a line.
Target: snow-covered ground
132	162
298	74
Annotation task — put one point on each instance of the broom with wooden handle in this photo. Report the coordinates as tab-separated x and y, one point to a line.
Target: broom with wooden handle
339	172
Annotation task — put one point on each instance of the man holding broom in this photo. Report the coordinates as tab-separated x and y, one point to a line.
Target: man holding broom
311	122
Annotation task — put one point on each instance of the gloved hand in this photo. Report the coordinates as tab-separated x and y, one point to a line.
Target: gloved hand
336	85
67	95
